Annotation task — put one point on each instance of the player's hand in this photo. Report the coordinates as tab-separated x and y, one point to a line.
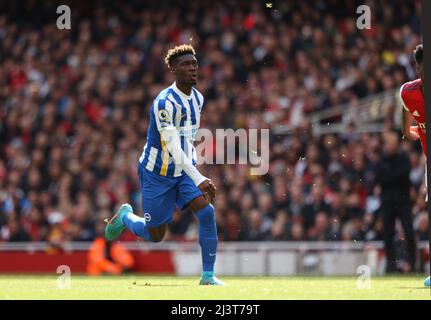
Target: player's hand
414	133
208	190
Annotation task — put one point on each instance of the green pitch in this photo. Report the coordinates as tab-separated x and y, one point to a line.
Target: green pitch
163	287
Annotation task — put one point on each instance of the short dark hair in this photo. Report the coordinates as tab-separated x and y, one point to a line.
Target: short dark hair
178	51
419	54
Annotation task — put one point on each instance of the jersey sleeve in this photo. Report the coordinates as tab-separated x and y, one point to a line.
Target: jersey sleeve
170	136
163	113
403	97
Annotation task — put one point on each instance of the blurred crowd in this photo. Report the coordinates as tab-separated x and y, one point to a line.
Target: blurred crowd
75	103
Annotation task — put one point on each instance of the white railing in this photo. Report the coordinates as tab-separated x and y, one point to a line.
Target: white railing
367	115
223	246
256	258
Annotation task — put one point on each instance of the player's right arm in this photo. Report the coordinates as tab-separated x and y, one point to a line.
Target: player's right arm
163	113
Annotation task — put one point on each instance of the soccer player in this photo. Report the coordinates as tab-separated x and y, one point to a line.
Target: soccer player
166	168
414	109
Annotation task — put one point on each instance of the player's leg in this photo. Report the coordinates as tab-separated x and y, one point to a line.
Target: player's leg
158	233
126	219
140	227
158	203
188	195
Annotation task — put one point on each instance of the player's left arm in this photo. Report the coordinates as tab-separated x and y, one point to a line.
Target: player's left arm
409	131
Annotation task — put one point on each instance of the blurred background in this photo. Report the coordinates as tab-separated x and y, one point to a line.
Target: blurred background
74	110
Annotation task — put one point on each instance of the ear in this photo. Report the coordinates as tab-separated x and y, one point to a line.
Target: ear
172	68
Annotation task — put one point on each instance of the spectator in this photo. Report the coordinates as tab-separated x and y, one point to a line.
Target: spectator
279	227
297	232
106	257
317	203
257	227
392	174
421	226
14	231
320	229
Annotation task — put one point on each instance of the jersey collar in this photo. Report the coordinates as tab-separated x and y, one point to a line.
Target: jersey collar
180	93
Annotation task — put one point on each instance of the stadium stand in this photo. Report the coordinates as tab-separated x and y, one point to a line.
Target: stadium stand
74	106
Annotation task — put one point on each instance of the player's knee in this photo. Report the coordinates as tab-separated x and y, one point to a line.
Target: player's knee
156	239
157	234
207	214
198	204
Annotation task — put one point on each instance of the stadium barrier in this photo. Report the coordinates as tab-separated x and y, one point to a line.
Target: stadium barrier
234	258
367	115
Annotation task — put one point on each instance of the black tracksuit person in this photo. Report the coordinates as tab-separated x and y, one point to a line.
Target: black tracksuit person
392	175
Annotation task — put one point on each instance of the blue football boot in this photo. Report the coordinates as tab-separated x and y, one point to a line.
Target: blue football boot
209	279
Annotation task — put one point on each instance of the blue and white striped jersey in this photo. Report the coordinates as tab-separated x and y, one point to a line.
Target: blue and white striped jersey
172	107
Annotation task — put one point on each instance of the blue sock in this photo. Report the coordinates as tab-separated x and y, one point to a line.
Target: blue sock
137	225
207	237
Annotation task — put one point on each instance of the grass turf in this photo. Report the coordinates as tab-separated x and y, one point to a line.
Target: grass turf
186	288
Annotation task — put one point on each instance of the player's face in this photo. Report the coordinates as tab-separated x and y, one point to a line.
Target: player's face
186	69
